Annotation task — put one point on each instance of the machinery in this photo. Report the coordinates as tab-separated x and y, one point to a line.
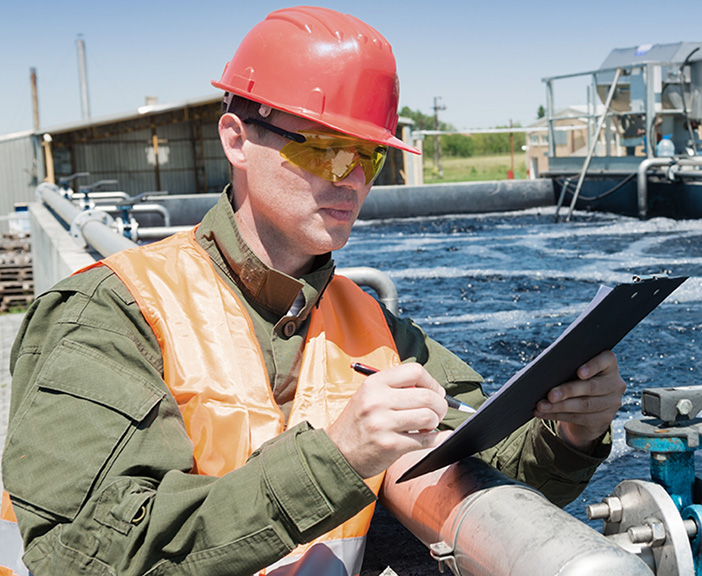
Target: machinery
644	154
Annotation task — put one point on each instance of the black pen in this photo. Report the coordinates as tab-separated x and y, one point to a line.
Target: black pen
450	400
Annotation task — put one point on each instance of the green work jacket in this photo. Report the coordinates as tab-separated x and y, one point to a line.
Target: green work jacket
97	459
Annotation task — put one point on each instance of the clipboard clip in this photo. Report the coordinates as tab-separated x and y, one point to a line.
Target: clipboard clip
644	278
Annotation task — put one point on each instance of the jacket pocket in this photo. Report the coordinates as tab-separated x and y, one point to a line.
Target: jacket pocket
65	433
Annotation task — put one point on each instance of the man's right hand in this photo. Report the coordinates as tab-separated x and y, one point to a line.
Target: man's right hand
394	411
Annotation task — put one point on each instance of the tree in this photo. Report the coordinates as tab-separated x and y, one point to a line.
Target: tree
460	145
541	112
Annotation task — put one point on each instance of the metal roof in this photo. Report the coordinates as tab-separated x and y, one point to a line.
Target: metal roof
676	52
141	112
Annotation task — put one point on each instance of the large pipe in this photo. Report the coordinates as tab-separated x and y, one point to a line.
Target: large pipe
479	522
456	198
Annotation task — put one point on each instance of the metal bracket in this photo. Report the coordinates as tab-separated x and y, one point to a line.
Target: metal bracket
672	404
443	554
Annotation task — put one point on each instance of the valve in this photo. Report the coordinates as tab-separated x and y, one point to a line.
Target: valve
660	521
65	182
128	225
85	202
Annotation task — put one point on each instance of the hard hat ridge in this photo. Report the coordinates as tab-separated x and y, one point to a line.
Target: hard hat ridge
320	64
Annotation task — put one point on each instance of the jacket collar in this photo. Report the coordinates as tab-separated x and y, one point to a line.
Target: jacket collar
264	286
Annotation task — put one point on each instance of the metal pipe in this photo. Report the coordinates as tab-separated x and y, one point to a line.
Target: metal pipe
103	239
379	281
653	107
107	196
593	144
642	176
157	232
479	522
550	118
140	208
96	234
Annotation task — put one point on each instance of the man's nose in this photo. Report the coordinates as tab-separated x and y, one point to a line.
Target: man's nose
356	178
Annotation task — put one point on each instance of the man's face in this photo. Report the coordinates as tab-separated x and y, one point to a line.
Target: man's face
293	213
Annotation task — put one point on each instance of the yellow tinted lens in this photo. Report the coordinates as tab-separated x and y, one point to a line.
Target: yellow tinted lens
333	157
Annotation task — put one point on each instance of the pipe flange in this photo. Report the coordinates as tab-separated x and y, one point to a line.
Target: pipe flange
82	219
656	524
694	513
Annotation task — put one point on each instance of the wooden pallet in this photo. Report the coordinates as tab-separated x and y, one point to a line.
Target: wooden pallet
7	303
16	274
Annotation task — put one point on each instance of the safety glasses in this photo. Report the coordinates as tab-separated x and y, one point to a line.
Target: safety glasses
330	155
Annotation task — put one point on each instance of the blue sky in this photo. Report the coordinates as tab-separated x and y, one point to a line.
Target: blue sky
484	59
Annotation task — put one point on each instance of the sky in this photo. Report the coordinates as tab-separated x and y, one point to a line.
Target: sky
484	59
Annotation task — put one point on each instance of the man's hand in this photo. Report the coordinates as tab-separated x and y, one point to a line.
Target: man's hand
394	411
585	408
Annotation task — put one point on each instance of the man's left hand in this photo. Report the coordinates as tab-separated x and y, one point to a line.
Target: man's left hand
585	408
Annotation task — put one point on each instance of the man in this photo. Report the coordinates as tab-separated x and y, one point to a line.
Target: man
189	407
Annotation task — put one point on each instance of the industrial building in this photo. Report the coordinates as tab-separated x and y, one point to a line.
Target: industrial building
159	147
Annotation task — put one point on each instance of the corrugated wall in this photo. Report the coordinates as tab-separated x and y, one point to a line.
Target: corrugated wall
189	159
18	177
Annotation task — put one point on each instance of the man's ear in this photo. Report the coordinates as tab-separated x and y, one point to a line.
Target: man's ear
232	134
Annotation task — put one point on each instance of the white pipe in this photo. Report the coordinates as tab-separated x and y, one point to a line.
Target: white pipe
379	281
96	234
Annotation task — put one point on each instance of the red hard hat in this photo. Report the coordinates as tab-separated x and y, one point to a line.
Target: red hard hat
322	65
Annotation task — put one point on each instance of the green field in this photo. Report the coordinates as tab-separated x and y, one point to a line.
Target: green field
475	168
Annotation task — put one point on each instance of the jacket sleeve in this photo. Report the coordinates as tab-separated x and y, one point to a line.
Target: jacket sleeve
534	453
97	459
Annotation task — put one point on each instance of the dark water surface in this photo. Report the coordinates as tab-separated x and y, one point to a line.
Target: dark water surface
497	289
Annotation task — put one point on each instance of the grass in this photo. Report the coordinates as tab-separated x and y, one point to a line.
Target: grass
476	168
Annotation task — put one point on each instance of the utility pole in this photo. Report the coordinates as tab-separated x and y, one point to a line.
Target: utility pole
510	174
437	139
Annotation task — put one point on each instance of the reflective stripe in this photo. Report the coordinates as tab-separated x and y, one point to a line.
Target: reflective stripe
330	558
11	549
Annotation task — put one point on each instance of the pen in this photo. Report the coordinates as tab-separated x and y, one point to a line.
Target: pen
450	400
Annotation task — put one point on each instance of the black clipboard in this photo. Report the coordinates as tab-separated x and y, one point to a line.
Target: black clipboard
609	317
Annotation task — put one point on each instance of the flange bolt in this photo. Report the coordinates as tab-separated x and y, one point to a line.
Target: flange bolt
651	532
610	510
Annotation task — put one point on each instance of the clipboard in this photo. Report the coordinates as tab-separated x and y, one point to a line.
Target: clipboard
610	316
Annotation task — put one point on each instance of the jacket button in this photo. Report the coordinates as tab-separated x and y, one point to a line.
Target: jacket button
289	329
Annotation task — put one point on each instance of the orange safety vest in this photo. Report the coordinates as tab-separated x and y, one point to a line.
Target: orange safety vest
214	367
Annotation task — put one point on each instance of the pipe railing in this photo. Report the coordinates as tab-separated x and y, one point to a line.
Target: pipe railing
96	229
